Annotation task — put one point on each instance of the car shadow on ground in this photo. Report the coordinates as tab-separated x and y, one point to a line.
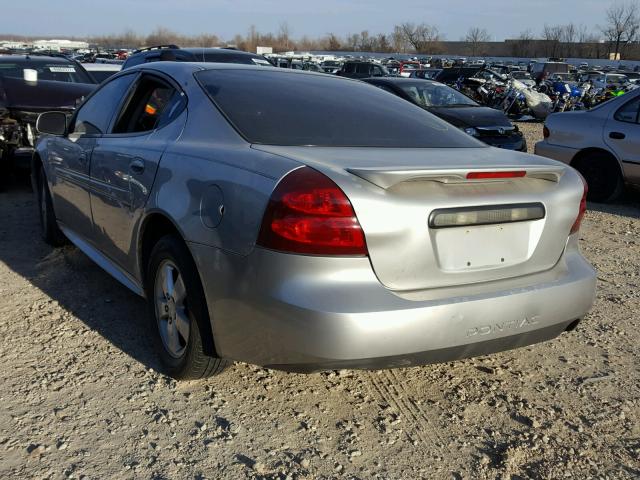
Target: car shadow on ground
71	279
628	205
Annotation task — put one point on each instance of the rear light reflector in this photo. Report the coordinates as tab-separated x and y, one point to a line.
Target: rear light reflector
495	214
582	209
492	175
309	214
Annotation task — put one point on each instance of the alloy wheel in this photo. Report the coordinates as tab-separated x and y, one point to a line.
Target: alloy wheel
172	315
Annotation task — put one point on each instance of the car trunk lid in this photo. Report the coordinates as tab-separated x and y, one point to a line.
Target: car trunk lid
396	193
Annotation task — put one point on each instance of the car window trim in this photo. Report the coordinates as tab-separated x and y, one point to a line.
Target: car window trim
637	120
72	120
127	98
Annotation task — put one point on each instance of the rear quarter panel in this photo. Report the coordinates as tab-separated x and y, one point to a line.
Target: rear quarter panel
212	184
579	130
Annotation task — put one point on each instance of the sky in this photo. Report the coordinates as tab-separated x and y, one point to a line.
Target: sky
225	18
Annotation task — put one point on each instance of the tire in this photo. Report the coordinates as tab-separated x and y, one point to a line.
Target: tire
602	175
49	229
178	312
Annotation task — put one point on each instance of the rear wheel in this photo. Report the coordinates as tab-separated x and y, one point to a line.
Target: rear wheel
49	229
178	311
602	175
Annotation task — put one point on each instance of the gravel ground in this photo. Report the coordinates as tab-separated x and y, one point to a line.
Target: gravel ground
81	397
532	132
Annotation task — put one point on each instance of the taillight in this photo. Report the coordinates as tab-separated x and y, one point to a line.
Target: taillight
490	175
545	132
309	214
583	208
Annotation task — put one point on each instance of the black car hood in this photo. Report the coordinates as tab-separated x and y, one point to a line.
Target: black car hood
19	95
472	116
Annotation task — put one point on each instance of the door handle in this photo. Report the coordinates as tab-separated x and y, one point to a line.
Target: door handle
137	166
82	158
617	135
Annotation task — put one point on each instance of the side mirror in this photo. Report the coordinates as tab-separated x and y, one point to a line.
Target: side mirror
53	123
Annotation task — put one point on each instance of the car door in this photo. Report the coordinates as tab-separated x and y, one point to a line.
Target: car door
70	156
125	162
622	134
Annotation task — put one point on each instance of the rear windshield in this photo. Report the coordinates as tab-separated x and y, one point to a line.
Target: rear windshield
285	108
57	71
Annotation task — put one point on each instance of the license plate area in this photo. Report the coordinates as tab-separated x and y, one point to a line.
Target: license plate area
485	247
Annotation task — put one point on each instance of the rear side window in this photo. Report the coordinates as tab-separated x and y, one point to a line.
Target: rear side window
363	68
93	116
329	111
349	67
629	111
153	104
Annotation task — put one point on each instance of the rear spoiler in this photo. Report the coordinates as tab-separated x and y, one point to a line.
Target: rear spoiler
387	178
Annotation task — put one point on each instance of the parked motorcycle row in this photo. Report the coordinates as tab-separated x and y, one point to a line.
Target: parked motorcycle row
518	95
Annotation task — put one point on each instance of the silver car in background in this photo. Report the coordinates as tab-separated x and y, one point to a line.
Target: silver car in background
307	222
603	144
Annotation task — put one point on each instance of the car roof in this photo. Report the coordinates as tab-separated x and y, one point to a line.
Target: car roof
180	70
223	51
34	58
400	80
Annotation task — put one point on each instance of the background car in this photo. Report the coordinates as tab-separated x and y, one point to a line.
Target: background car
486	124
47	67
101	71
356	69
610	79
426	73
55	83
603	144
176	54
355	230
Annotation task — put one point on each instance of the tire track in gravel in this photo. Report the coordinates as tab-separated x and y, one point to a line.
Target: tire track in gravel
388	392
428	423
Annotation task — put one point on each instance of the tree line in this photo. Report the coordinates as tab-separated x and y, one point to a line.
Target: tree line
620	32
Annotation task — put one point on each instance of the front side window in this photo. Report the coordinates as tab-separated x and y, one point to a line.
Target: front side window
153	104
329	111
93	116
629	111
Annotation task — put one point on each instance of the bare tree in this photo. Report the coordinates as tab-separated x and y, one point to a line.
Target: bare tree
476	36
399	40
623	23
552	34
332	43
568	38
284	33
421	37
521	47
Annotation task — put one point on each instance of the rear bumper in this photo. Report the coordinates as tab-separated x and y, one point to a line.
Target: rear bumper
556	152
308	314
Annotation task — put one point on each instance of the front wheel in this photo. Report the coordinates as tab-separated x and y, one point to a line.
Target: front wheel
179	313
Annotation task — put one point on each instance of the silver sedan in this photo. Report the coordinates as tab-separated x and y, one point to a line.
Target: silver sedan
308	222
603	144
